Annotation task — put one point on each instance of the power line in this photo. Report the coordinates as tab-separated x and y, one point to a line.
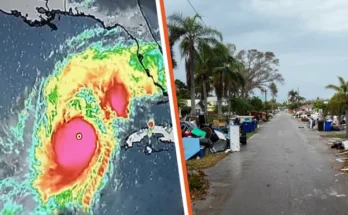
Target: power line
194	9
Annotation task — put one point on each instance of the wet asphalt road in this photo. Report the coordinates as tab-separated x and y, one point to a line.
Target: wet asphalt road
283	170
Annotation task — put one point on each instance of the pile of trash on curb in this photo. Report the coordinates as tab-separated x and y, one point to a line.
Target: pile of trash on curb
342	144
210	137
343	154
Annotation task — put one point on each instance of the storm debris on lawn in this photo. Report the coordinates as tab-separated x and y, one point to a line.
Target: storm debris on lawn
344	167
342	155
340	160
337	145
343	152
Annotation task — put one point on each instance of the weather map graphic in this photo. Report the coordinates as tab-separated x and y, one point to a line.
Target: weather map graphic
85	119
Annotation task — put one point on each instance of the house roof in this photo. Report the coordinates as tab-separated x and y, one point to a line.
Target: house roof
306	106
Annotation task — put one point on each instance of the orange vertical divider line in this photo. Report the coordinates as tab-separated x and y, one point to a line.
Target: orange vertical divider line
171	75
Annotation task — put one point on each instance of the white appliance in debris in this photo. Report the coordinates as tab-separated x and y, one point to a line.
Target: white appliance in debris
234	138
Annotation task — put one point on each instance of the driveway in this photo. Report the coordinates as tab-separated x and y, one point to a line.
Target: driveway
283	169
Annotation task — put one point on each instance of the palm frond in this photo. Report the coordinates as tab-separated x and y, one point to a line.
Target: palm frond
176	19
197	16
341	80
219	69
207	32
239	78
184	47
176	32
333	87
231	48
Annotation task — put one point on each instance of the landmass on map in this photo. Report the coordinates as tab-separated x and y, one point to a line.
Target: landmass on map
129	15
140	21
163	134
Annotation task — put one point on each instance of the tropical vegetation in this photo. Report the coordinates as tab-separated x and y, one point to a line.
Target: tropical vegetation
339	102
295	100
214	66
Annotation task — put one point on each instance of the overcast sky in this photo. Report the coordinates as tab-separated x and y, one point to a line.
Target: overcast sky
310	39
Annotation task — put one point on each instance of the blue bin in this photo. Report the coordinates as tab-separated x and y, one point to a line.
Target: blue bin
246	127
328	126
201	153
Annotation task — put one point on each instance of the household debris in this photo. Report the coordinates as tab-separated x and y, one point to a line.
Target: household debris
337	145
213	137
345	144
342	155
340	160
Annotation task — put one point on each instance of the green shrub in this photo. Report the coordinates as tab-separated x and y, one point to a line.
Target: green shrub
196	181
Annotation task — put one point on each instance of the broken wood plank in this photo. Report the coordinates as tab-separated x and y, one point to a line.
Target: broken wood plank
344	152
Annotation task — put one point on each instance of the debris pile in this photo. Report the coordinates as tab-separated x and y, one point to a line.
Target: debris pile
337	145
342	155
201	138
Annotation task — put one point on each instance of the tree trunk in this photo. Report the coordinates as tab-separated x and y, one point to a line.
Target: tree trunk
229	104
346	113
205	98
220	95
192	76
242	93
272	106
219	100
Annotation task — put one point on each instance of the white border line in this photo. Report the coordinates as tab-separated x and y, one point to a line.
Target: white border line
172	112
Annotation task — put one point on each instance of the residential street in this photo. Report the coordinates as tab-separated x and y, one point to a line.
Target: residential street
283	169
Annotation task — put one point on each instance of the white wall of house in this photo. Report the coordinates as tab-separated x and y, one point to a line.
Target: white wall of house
214	100
199	109
211	100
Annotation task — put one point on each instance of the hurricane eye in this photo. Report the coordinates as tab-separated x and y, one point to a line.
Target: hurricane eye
79	136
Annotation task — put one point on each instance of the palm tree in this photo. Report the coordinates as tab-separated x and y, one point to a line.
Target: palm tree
174	63
300	99
292	96
274	91
190	32
234	83
224	72
204	62
342	88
